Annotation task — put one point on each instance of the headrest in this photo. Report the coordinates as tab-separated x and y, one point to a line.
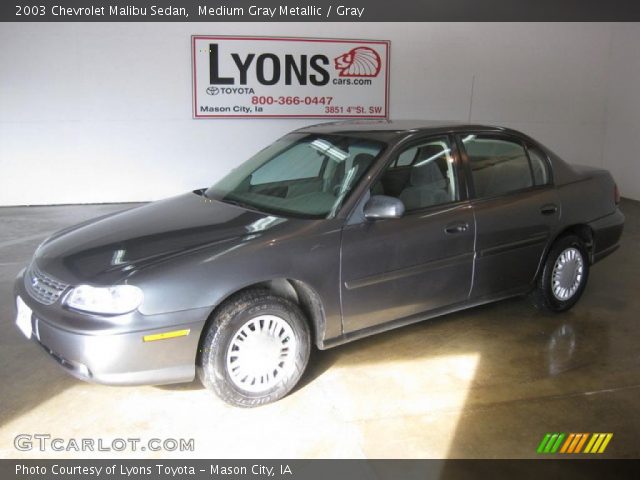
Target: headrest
426	174
362	161
429	151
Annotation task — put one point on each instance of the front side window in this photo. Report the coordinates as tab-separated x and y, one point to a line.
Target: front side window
421	176
498	165
300	175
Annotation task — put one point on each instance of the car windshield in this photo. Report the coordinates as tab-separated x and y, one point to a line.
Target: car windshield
299	175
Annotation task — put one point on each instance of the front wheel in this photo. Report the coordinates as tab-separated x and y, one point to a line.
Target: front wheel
255	349
564	275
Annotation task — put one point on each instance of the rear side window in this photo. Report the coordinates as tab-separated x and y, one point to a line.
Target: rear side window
498	165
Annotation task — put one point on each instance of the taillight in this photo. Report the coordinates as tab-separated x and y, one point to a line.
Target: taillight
616	193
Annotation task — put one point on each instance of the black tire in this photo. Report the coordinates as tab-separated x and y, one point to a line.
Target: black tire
238	312
543	295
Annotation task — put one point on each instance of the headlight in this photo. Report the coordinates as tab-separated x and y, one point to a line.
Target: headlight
105	300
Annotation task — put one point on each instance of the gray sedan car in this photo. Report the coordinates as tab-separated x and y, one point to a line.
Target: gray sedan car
332	233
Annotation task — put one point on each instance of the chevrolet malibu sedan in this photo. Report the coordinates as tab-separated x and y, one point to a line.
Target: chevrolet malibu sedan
332	233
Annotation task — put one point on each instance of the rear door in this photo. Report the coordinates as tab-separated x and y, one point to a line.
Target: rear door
516	210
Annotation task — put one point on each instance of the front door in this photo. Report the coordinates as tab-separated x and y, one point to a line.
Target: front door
397	268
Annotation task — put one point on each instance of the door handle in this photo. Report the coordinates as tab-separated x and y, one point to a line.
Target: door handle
548	209
456	228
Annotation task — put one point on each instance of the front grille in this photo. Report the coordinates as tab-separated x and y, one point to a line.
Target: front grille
43	288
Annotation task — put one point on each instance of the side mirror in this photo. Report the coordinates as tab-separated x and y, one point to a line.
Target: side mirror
382	206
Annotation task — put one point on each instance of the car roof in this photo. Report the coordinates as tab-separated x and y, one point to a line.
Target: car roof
396	127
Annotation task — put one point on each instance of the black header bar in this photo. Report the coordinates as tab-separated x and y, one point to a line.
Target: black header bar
319	10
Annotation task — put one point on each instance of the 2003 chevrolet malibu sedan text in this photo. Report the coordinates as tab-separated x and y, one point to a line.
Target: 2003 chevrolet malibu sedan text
334	232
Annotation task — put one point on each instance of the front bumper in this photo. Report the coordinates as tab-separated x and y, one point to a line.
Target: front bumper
117	355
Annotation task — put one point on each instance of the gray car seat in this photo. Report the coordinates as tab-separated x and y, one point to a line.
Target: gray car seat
427	184
361	161
502	177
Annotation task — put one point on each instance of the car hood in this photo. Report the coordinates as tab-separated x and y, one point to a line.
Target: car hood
110	247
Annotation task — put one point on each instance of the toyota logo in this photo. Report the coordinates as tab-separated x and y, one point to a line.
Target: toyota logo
213	90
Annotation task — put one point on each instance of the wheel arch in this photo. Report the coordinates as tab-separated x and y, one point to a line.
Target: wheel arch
297	291
582	231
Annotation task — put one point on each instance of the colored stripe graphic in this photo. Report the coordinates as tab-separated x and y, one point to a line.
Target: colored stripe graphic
598	442
555	447
591	442
573	443
567	443
581	442
596	445
550	443
606	442
543	443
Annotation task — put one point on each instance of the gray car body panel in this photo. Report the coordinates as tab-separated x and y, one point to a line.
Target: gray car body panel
353	277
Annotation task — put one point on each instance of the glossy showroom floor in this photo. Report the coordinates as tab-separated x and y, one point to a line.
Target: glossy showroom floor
488	382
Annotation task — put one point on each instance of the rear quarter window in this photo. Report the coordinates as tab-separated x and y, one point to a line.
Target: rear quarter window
539	165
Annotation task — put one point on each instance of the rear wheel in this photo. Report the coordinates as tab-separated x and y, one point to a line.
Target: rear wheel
564	275
255	350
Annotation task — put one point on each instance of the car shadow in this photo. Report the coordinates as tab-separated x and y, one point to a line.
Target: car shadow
193	385
319	362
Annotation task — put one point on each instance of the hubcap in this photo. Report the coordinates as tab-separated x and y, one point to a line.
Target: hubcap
261	354
567	274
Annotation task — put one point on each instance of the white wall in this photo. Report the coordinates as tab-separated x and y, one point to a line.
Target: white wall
102	112
622	141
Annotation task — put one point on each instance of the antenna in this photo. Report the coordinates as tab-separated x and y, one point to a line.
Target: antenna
473	82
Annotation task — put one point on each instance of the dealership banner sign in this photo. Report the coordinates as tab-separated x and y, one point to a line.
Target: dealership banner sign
272	77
